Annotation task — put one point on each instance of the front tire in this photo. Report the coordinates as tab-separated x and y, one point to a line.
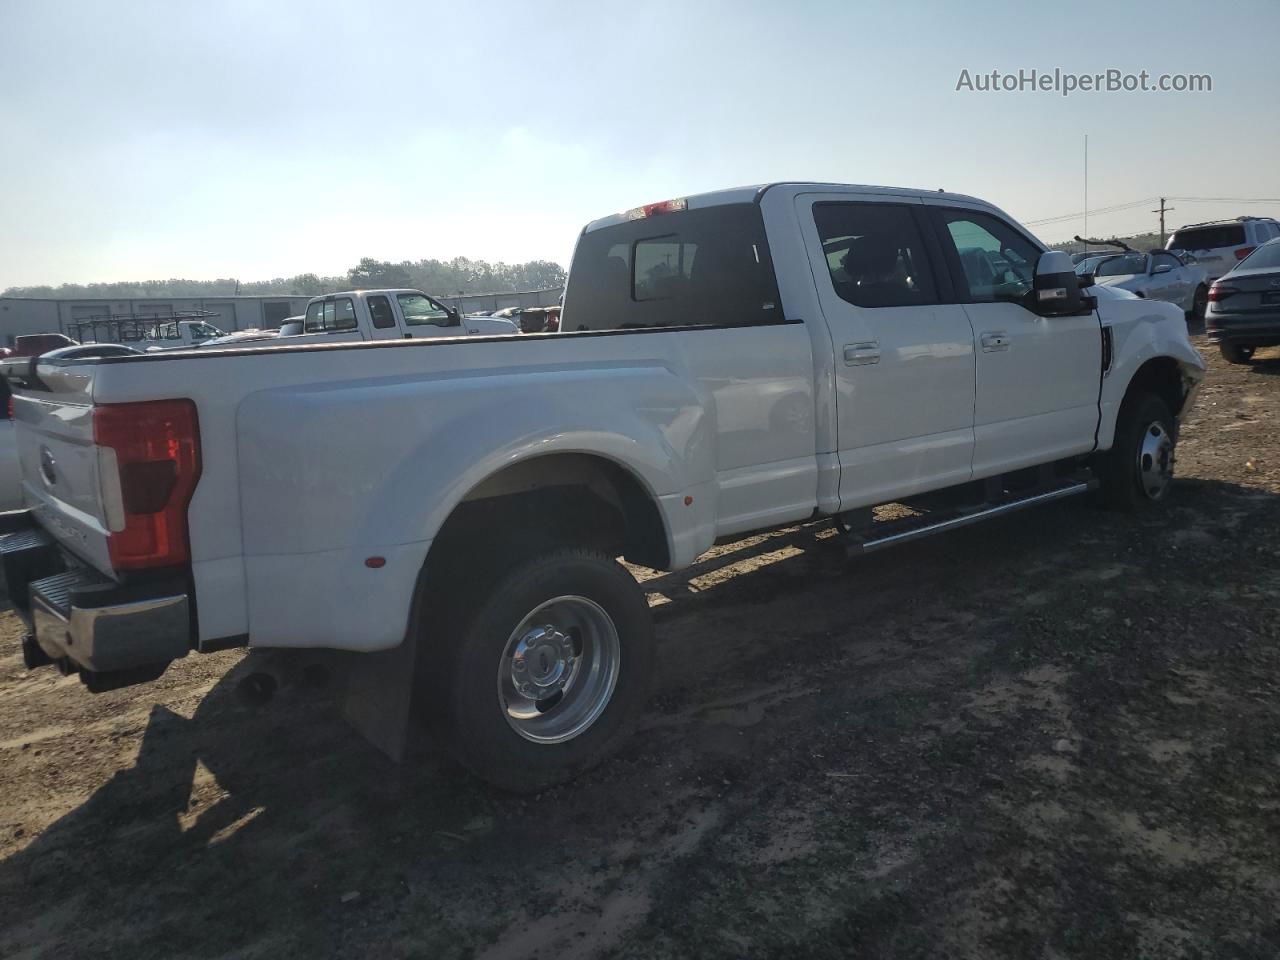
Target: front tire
1234	353
547	671
1137	472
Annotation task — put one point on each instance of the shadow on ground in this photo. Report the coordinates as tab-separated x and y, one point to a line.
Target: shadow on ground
824	746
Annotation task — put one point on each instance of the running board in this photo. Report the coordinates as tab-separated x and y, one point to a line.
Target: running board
917	528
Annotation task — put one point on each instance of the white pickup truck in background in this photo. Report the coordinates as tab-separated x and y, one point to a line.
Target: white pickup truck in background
387	315
451	508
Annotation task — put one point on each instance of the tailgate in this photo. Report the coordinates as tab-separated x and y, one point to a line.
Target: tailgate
61	475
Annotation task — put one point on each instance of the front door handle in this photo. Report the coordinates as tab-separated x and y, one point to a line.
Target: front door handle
860	354
995	342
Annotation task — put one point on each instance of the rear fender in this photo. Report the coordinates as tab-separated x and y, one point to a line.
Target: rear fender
331	477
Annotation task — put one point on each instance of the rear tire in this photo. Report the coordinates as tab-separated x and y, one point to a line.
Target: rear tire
1234	353
1137	472
544	672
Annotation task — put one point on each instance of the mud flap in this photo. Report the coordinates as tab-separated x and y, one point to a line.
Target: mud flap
378	700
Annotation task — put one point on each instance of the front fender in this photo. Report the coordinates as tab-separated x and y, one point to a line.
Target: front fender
1142	330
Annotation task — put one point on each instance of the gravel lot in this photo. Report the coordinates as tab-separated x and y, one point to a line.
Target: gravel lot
1055	735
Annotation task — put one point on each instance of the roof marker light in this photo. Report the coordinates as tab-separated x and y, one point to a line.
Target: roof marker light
654	209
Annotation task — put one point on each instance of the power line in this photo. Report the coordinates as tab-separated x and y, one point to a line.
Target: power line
1117	208
1073	216
1226	199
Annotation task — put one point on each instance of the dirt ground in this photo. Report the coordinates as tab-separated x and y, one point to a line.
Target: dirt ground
1055	735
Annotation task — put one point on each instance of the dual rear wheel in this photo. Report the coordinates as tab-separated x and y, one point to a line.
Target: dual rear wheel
545	672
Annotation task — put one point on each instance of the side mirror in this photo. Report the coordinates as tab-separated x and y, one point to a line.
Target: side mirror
1055	288
455	318
1161	268
1086	280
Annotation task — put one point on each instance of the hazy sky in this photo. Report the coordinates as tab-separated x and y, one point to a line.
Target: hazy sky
261	139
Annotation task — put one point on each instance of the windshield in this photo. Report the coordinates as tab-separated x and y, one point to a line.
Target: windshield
1089	265
1124	266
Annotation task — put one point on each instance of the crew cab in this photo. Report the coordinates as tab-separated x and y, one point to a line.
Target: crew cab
388	315
451	508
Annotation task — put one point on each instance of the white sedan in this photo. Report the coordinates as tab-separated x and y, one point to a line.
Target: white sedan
1159	275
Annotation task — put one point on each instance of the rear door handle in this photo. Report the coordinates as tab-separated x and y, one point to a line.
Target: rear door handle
995	342
861	354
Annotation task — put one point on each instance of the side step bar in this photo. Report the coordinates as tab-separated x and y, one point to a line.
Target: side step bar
916	528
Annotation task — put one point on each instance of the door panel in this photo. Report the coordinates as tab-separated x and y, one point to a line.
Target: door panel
905	371
1037	377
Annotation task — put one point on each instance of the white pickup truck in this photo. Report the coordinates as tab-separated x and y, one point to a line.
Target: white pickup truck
451	508
388	315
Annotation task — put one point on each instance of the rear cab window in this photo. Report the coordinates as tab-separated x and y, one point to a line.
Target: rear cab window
329	316
706	267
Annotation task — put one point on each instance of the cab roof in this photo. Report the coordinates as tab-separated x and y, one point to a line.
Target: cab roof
753	193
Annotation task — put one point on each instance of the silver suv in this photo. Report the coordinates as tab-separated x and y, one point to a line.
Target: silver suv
1221	244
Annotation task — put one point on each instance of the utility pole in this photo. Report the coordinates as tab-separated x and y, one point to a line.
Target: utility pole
1086	189
1162	211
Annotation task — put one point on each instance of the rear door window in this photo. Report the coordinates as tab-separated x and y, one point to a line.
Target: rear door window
705	267
875	254
380	313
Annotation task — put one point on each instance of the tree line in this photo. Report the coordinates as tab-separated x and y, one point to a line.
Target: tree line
460	275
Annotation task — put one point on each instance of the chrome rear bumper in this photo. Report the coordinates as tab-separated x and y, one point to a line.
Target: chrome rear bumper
89	623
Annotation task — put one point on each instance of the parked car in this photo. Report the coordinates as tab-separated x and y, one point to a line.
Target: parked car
1158	275
450	509
1244	305
1221	244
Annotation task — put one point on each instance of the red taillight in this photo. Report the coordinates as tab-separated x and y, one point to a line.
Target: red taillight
1244	252
1221	293
156	447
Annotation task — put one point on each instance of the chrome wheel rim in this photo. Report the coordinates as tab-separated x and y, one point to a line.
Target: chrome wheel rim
558	670
1155	460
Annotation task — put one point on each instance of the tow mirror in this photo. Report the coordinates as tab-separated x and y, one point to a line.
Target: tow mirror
1055	288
